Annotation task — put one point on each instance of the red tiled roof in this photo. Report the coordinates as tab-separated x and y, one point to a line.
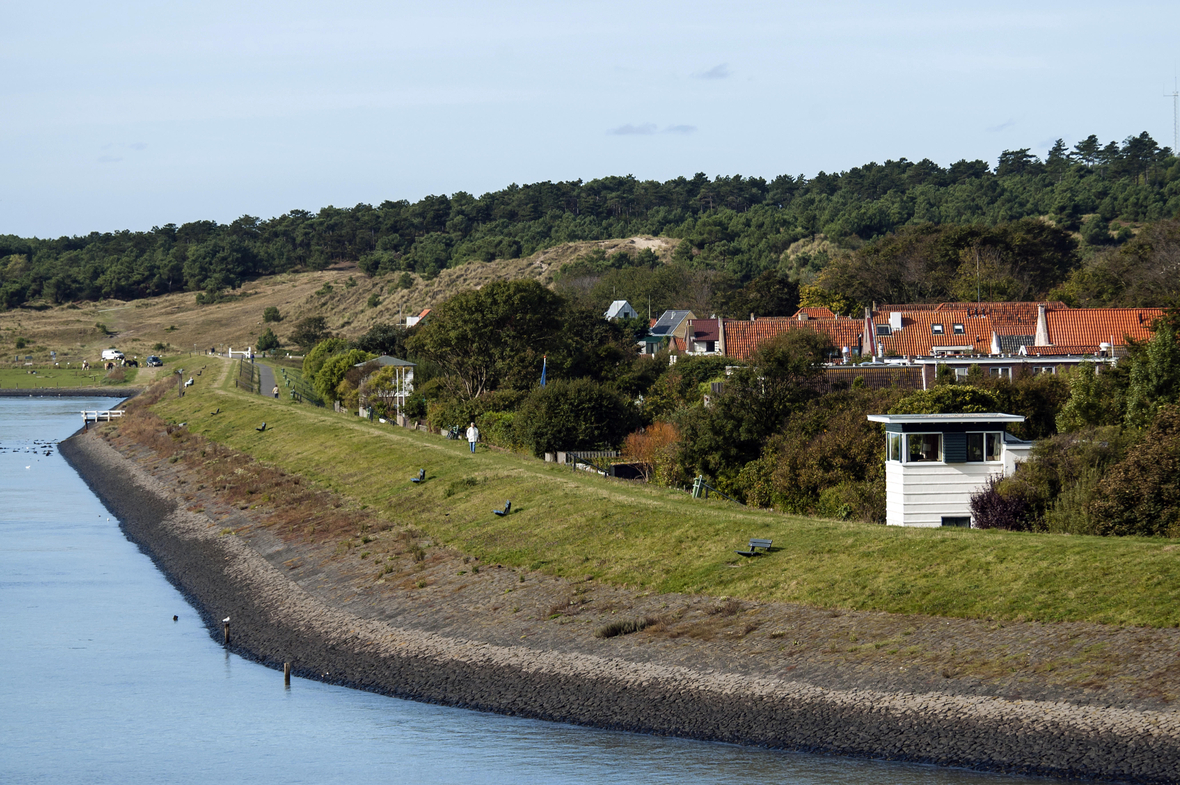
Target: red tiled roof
814	312
917	337
1092	326
1020	311
743	337
906	307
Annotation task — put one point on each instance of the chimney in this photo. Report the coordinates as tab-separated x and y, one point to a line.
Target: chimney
751	317
1042	336
721	335
894	321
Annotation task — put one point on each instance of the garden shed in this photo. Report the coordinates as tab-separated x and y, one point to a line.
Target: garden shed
935	462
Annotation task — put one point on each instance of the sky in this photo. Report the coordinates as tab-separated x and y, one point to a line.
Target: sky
128	115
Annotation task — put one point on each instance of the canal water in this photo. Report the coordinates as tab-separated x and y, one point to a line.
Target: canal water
98	683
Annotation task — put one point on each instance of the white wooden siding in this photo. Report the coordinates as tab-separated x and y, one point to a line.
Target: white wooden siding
921	494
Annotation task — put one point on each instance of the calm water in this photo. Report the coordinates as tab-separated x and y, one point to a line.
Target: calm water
98	684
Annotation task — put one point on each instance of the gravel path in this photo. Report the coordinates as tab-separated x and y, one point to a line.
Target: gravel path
1007	697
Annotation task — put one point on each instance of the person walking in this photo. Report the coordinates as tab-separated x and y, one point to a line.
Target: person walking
275	391
472	435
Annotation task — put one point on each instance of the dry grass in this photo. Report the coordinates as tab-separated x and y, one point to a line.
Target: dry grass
340	294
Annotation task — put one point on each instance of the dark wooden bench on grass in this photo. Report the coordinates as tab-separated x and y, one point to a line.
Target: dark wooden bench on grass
421	476
261	427
756	547
507	509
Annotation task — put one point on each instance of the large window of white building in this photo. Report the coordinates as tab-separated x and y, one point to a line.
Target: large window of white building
923	447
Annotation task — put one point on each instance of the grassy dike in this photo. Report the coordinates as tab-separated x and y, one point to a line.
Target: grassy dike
575	524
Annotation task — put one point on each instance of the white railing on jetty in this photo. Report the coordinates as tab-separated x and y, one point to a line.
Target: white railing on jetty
100	416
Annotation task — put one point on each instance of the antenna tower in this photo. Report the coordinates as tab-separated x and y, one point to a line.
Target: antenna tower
1175	96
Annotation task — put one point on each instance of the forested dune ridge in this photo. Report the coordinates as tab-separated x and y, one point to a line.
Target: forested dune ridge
1097	196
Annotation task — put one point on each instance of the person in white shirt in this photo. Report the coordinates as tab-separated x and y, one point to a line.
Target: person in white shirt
472	435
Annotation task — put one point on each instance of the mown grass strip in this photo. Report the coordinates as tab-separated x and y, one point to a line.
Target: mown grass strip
574	524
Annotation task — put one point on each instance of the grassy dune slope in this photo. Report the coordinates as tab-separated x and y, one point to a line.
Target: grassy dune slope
340	294
575	524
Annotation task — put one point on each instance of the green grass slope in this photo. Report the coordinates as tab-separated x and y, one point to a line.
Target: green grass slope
577	524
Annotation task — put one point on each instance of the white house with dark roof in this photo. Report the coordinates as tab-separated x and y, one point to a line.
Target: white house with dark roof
935	462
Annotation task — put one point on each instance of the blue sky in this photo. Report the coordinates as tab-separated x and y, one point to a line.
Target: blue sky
129	115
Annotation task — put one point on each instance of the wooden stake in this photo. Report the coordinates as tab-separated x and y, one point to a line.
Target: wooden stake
225	629
286	674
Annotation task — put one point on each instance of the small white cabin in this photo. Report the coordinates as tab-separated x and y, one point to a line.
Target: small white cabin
935	462
620	309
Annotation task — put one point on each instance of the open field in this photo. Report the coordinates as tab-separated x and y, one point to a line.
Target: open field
573	524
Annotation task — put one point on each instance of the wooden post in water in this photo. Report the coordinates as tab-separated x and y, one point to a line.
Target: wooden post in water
286	674
225	629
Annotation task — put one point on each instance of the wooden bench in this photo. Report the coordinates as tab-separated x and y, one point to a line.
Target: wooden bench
507	509
421	476
756	547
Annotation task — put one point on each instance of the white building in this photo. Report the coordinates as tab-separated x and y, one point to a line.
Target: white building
620	309
935	462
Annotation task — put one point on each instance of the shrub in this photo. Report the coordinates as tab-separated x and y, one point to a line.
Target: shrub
268	341
995	508
332	373
271	314
831	444
652	449
574	415
1062	470
497	428
320	354
309	332
947	399
1141	494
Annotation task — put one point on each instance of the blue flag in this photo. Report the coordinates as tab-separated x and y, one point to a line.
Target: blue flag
544	367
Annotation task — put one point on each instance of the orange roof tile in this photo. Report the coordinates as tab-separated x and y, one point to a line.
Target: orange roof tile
814	312
743	337
917	336
1092	326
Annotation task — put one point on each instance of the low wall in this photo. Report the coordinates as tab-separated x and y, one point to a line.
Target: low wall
273	620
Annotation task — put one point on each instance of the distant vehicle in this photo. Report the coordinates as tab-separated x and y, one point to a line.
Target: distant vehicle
154	360
112	354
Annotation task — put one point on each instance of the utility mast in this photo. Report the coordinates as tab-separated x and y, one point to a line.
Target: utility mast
1175	96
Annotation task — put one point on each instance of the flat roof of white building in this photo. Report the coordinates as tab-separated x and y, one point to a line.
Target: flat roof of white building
909	419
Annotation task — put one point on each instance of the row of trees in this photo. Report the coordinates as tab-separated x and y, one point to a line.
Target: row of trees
742	226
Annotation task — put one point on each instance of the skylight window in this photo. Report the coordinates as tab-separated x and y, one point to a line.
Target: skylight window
883	329
936	329
958	328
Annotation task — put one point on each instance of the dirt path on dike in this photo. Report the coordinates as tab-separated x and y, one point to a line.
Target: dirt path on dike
1065	699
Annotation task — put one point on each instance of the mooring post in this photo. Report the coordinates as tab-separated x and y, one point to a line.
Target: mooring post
225	629
286	674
